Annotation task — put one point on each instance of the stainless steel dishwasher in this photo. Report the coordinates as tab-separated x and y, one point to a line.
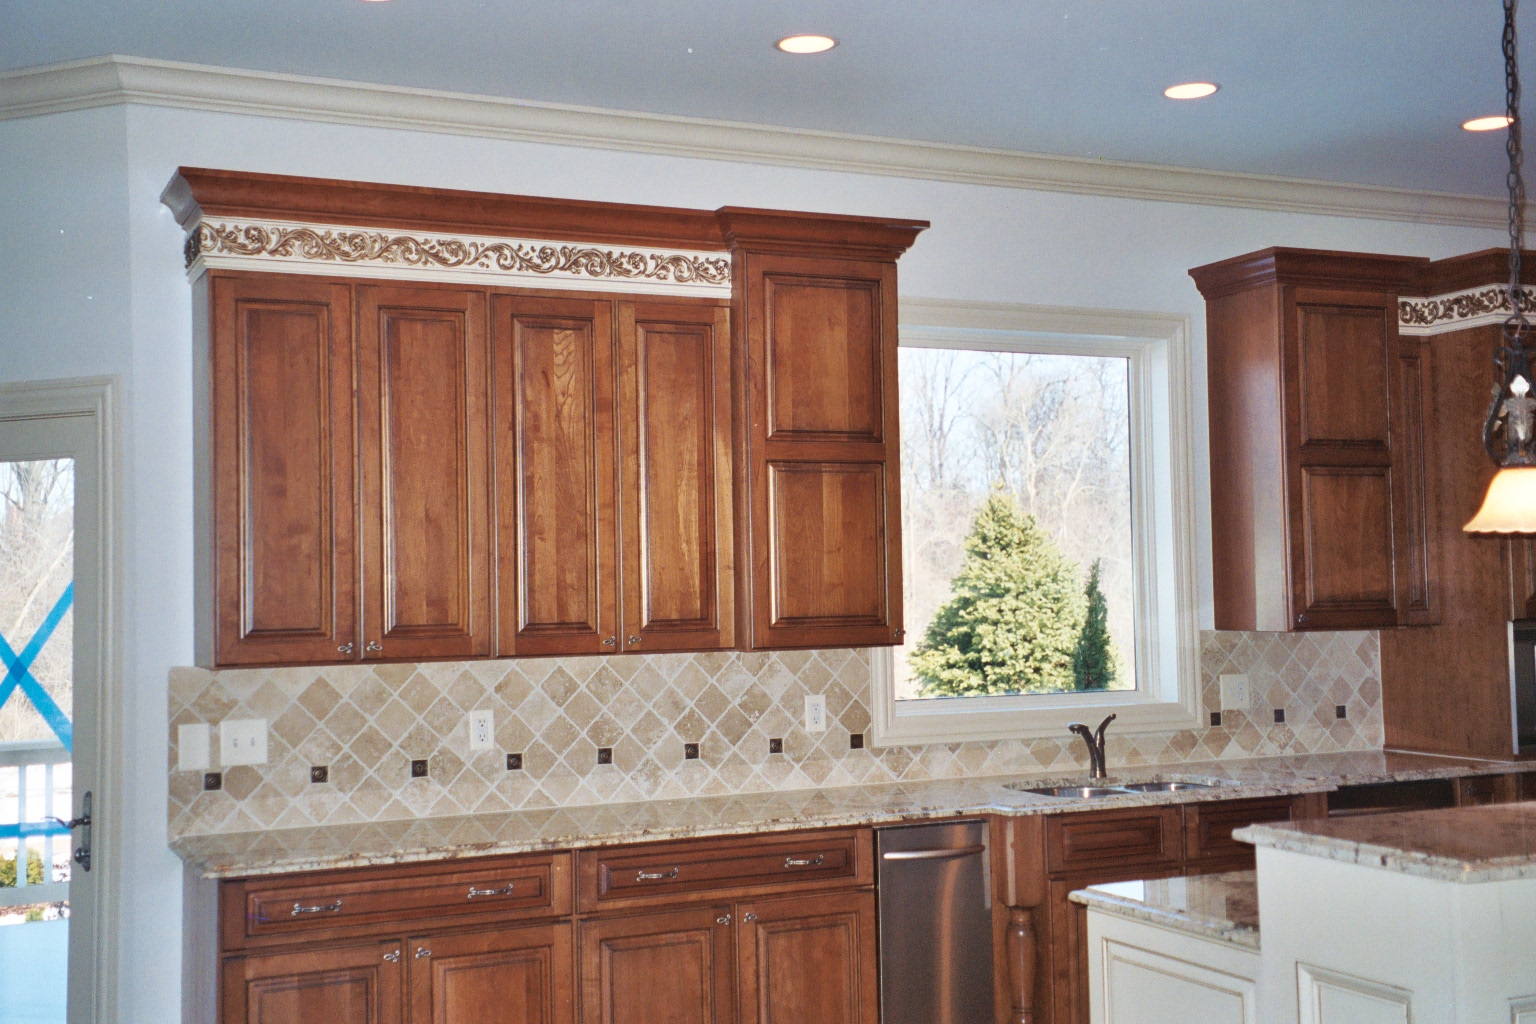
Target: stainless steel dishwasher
935	924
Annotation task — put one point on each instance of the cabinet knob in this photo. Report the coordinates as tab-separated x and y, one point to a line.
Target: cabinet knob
422	952
749	916
898	634
633	639
345	648
1301	619
610	642
393	956
723	919
374	645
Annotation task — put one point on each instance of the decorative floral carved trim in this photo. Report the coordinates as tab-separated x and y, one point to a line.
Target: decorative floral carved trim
366	247
1458	310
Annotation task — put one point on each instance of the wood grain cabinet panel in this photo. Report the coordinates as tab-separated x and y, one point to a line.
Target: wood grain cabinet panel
1208	828
1344	362
809	959
1347	543
675	431
825	357
284	490
556	475
674	966
511	976
423	408
829	546
318	985
1077	842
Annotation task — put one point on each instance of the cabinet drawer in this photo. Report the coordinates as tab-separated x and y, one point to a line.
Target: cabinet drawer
1105	839
1208	827
363	900
712	868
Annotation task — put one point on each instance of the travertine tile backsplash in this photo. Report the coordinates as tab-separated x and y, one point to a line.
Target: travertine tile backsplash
366	723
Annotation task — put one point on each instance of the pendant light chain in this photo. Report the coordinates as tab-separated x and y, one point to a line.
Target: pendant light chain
1515	178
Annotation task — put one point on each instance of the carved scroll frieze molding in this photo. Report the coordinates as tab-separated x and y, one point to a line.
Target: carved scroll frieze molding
1457	311
384	253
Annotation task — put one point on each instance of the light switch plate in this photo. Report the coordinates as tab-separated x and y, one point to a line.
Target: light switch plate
1234	692
192	747
482	729
242	741
815	713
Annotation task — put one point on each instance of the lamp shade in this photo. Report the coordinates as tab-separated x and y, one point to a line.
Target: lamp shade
1510	506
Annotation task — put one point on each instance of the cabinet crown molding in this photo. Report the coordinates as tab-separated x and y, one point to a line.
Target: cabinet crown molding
1308	266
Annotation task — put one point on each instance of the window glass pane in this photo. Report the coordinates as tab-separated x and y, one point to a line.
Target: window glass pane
1016	520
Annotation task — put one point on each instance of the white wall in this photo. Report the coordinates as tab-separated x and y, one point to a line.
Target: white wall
109	296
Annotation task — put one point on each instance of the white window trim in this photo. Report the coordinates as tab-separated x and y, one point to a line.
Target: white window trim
1162	488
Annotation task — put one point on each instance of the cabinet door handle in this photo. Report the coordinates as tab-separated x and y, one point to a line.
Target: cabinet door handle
899	633
610	642
422	952
393	956
374	645
723	919
655	876
319	908
803	862
344	649
505	890
633	639
749	917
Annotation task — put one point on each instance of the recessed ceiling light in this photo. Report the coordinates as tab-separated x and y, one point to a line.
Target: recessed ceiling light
1190	90
1486	124
806	44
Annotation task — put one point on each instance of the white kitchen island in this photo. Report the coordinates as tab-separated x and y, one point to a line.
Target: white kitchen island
1426	917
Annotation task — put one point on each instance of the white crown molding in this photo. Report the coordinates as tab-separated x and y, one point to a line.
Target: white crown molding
102	81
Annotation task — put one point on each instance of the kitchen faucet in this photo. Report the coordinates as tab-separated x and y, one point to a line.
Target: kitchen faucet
1096	761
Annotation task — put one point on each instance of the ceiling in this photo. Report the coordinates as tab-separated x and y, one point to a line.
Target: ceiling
1369	91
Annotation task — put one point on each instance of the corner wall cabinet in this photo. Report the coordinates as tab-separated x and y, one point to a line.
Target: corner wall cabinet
445	425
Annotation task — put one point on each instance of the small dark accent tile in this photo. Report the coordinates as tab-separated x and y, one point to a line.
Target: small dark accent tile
1279	716
1215	718
320	773
514	762
213	780
418	769
1340	711
776	746
855	741
605	755
690	751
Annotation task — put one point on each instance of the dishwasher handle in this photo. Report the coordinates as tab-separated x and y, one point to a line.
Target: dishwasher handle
947	854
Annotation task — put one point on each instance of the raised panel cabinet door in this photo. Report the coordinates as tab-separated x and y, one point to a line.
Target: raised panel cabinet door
556	475
671	966
1347	572
320	985
1413	460
821	556
675	434
809	959
284	489
511	976
423	403
1345	358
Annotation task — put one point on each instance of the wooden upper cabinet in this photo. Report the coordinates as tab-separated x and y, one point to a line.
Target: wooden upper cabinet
818	440
556	475
1321	508
280	457
423	414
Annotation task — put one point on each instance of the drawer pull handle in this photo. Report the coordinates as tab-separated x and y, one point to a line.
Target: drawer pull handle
319	908
655	876
505	890
803	862
422	952
393	956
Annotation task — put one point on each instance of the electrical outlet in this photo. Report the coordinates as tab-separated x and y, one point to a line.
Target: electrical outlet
192	747
242	741
815	713
1234	692
482	729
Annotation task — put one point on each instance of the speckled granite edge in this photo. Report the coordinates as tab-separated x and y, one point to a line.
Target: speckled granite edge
1175	920
1507	833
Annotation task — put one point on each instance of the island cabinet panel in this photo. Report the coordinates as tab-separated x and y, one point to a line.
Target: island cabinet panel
809	959
283	486
424	422
512	976
666	965
358	984
821	445
1321	424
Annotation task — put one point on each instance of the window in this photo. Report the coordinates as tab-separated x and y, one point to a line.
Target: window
1046	525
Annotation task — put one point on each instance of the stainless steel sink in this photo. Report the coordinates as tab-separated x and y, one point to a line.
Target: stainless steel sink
1078	792
1165	787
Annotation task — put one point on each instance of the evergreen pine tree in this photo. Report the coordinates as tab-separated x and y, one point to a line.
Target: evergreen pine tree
1093	662
1015	616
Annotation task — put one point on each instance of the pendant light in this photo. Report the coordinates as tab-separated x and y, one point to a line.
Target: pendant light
1510	506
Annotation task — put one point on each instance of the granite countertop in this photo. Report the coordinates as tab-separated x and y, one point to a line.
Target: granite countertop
243	854
1463	844
1223	907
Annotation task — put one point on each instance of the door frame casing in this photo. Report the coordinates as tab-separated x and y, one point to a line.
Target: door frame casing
94	399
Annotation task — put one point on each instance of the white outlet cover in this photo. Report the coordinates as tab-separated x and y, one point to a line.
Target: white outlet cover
1234	692
242	741
815	713
192	747
482	730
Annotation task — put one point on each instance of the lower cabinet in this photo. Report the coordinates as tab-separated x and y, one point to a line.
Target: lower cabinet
809	959
672	966
512	976
357	984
